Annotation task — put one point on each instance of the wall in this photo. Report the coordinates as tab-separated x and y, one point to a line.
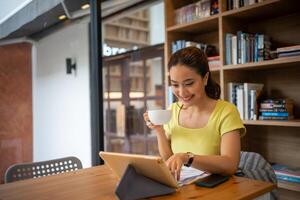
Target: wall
62	102
15	105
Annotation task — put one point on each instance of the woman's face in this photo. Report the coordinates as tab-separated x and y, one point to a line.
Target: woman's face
187	85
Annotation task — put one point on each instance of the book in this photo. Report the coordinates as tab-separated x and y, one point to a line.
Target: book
277	101
241	101
228	47
213	64
229	4
212	58
253	105
247	88
277	105
289	185
275	114
288	54
234	58
287	178
231	92
287	173
286	170
273	110
274	118
239	46
288	48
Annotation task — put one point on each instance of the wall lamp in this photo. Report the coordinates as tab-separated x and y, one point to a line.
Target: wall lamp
71	65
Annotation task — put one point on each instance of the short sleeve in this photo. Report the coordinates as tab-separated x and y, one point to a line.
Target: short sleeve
230	120
167	127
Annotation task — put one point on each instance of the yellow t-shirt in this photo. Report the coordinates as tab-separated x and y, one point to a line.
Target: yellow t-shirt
206	140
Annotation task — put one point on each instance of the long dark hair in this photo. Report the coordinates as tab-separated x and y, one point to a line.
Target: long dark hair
196	59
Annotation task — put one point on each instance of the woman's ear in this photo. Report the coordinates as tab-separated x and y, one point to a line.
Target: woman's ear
205	79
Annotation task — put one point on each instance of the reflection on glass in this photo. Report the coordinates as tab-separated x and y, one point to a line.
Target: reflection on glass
136	76
154	72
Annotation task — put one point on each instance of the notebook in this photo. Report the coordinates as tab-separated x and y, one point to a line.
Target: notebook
150	166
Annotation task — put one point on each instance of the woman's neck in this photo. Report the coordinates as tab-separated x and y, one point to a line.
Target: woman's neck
204	104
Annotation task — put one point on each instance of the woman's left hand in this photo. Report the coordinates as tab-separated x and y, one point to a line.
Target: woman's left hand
175	163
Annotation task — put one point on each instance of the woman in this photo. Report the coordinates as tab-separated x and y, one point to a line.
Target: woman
204	131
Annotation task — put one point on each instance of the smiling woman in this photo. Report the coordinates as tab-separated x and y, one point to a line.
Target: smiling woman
204	131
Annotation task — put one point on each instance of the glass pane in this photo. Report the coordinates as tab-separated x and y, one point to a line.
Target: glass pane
136	79
115	78
115	127
155	82
132	78
152	147
136	127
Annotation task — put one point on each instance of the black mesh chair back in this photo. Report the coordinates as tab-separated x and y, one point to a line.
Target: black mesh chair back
44	168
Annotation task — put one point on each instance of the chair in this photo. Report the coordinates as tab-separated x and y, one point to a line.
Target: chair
44	168
254	166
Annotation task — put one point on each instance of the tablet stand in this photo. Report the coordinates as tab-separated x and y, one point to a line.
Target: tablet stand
136	186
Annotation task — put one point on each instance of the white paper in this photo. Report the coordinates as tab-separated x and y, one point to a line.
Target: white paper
189	175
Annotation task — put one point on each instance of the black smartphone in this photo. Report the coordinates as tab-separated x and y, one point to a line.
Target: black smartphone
212	180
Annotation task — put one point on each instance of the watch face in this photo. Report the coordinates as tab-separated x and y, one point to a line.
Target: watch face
190	160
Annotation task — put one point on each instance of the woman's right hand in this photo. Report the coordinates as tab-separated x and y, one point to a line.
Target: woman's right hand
150	124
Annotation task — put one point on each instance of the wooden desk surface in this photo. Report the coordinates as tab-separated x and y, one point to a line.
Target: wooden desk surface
99	183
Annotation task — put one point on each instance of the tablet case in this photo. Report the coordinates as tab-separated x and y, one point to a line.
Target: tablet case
136	186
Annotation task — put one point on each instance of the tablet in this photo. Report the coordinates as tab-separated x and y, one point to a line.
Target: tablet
150	166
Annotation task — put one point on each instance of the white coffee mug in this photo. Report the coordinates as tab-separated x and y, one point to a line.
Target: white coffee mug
159	117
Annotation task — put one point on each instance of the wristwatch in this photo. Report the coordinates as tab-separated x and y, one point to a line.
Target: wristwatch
190	159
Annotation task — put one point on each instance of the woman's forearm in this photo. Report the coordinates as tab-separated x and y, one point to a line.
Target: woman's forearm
216	164
164	147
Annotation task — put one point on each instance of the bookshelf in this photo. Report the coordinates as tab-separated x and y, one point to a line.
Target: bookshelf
277	141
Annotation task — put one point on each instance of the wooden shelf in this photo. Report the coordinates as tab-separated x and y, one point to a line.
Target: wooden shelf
138	18
126	40
128	26
215	69
263	10
280	62
202	25
289	186
289	123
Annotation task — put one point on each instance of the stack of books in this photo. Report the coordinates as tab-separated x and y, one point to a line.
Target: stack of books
286	173
288	51
276	109
214	62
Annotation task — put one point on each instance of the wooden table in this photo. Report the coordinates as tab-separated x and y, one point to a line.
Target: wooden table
99	183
